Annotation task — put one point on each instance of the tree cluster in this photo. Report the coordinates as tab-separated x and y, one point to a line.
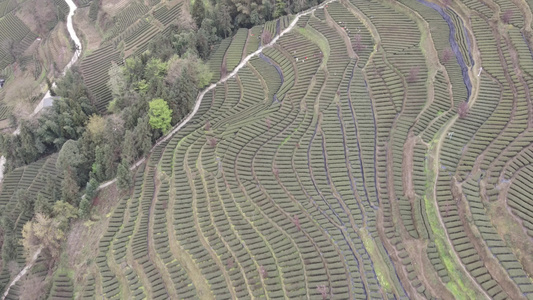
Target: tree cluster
151	93
223	16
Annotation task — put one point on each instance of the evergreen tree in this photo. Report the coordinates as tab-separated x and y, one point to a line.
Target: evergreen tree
129	152
9	248
25	203
198	12
69	187
103	166
42	205
143	136
124	180
93	10
52	188
280	8
85	208
223	20
91	189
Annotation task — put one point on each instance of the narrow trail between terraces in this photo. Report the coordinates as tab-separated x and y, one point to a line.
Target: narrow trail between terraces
242	64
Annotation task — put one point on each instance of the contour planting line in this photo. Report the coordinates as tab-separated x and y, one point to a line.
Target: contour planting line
23	272
213	85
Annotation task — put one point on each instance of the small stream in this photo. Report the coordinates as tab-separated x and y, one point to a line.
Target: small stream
278	69
454	45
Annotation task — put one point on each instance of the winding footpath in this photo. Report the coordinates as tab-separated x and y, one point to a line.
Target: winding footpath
222	80
184	122
70	28
23	272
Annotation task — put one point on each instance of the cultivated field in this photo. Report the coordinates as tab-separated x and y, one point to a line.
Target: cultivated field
133	28
32	48
379	149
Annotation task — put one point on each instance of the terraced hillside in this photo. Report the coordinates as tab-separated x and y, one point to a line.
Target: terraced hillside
39	179
377	149
134	27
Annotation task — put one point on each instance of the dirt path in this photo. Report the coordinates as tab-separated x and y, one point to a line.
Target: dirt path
242	64
152	251
183	257
449	244
342	32
23	272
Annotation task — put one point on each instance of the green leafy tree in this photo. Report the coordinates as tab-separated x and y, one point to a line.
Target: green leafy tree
155	68
160	115
134	69
69	156
64	212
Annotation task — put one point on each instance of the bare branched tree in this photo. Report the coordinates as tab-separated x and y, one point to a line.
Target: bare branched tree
323	290
212	142
266	37
462	109
296	222
446	55
357	43
413	74
263	272
507	16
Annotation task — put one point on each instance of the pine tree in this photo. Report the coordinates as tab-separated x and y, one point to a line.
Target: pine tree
42	205
280	8
93	10
129	152
69	187
143	136
198	12
123	177
98	170
91	189
85	208
24	201
52	188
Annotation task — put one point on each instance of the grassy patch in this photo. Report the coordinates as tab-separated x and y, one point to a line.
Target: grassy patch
317	38
457	283
379	265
